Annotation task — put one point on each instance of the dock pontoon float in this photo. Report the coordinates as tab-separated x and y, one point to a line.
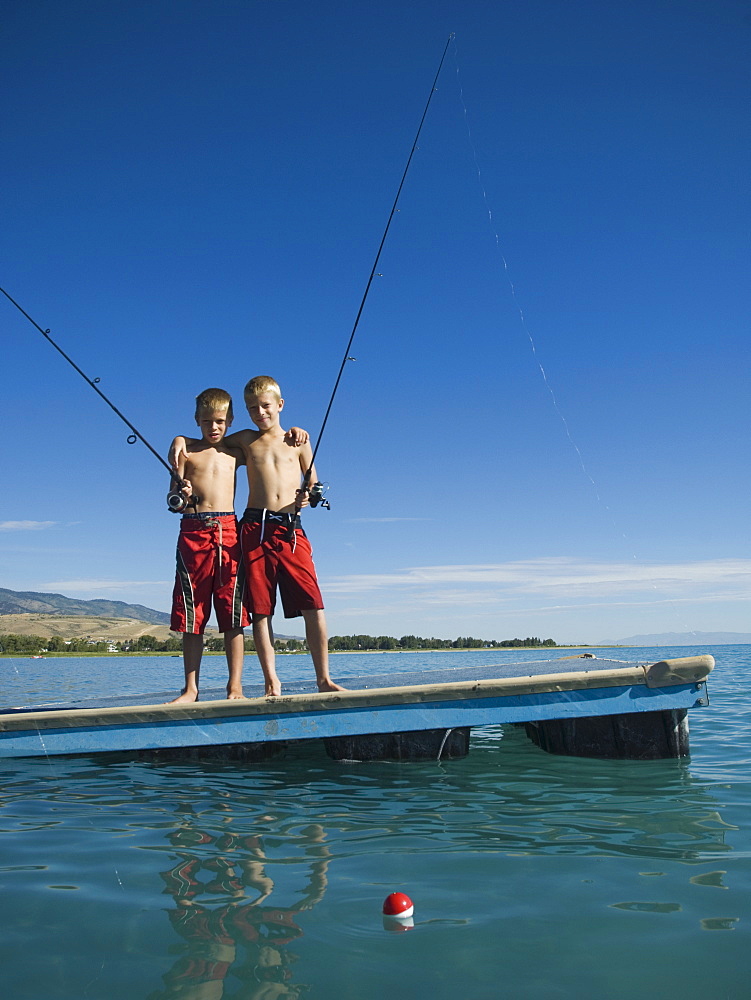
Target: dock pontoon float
579	706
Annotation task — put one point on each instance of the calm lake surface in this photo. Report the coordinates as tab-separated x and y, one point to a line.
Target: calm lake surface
533	876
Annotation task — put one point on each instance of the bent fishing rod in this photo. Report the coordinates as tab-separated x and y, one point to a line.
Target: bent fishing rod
316	491
135	435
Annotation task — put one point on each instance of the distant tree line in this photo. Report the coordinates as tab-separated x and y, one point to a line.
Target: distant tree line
31	645
353	642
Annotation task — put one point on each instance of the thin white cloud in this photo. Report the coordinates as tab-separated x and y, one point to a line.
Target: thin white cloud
500	605
26	525
558	578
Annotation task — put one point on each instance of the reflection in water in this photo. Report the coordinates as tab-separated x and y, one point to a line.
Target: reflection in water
220	886
521	802
649	809
192	877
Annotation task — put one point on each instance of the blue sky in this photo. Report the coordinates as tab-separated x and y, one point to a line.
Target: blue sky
545	430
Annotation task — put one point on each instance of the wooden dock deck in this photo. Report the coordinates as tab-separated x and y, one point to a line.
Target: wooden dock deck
586	707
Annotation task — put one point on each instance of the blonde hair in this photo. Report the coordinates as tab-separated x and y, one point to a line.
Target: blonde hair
262	383
214	399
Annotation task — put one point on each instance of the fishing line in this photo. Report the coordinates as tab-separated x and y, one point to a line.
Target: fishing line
373	272
533	346
507	274
132	438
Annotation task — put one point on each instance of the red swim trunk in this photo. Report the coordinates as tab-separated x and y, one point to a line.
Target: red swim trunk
209	569
271	558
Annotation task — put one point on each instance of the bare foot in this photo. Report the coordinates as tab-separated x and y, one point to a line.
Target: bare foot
235	695
186	696
273	687
329	685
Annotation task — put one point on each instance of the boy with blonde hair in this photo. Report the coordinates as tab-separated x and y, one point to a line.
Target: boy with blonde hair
209	568
275	549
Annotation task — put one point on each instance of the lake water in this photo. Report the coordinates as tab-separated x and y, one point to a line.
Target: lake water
533	876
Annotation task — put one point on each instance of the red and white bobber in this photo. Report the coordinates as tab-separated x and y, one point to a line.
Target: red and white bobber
398	906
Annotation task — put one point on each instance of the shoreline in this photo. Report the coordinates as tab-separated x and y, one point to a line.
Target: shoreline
303	652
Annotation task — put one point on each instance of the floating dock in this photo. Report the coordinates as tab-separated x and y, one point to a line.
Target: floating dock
581	706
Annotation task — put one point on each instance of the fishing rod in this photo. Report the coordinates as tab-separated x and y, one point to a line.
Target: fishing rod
135	435
316	491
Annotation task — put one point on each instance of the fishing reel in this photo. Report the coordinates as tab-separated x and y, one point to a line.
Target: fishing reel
177	502
316	497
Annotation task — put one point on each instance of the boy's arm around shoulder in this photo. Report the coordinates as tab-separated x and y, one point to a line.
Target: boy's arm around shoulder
240	439
295	436
178	453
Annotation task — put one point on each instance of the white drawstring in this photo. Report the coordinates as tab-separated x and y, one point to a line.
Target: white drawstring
293	518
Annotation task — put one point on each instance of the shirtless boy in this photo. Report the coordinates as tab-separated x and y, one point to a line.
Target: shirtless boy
208	548
209	563
275	550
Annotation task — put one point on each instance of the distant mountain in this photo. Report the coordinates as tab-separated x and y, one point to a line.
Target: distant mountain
13	602
682	639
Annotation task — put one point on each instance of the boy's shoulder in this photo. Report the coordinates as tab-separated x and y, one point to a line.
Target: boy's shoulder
191	444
